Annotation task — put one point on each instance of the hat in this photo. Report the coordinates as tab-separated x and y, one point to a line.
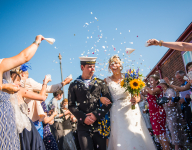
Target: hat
162	81
87	60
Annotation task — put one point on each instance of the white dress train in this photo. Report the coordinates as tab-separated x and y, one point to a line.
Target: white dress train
128	129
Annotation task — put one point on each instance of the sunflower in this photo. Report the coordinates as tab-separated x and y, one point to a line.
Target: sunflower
122	83
135	84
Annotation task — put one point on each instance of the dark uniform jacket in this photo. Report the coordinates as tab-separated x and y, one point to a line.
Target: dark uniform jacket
83	100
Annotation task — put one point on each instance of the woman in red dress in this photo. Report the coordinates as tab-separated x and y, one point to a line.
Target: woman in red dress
157	112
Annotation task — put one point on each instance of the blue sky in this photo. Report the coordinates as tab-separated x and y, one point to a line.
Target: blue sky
119	24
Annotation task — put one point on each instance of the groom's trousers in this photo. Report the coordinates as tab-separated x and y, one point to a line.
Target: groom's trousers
91	141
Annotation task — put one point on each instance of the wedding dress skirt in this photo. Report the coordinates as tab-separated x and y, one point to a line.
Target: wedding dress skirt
128	128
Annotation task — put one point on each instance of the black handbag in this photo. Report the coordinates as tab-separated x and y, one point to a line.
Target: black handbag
161	100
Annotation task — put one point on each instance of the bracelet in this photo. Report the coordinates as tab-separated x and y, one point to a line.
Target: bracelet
160	43
44	84
1	88
36	43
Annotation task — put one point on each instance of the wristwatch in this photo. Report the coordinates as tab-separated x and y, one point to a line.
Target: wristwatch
36	43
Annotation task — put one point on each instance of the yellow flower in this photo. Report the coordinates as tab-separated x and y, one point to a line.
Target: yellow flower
122	83
142	84
135	84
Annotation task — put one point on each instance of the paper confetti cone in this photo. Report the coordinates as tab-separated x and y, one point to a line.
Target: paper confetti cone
147	44
129	51
50	40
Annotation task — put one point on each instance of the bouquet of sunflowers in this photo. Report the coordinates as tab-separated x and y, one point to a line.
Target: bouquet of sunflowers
133	83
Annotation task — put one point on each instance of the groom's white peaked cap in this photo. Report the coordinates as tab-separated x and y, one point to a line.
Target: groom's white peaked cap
87	60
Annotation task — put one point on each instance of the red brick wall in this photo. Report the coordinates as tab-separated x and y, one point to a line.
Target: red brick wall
172	65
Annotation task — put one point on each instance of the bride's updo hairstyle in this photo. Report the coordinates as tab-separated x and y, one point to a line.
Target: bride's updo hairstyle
111	60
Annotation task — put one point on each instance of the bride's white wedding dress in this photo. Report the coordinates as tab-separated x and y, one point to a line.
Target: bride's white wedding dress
128	129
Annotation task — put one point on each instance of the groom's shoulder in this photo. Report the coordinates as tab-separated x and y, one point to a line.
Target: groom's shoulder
100	80
73	84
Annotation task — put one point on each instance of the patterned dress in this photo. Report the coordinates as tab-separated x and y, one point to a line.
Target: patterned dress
48	139
9	139
174	120
157	114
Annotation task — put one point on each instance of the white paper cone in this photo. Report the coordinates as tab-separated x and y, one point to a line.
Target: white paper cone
48	76
185	78
190	75
50	40
70	76
129	50
147	44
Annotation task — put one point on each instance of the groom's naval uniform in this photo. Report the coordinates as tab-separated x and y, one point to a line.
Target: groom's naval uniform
83	98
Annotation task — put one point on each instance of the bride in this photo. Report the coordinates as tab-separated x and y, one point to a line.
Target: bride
128	129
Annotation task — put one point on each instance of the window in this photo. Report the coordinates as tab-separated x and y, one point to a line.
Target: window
187	57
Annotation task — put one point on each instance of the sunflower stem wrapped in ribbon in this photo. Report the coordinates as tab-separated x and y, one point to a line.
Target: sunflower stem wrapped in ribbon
133	83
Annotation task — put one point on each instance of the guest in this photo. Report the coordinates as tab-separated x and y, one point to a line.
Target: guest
48	138
157	112
68	143
32	85
184	101
35	110
142	104
57	128
29	136
173	117
181	46
10	139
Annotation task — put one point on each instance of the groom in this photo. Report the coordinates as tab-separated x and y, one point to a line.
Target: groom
83	102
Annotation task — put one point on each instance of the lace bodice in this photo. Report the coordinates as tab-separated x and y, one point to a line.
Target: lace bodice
117	92
24	108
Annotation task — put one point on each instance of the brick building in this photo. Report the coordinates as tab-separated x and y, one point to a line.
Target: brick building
174	60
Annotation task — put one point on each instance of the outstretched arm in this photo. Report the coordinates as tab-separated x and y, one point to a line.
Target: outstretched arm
23	57
180	46
183	88
155	91
50	88
31	95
